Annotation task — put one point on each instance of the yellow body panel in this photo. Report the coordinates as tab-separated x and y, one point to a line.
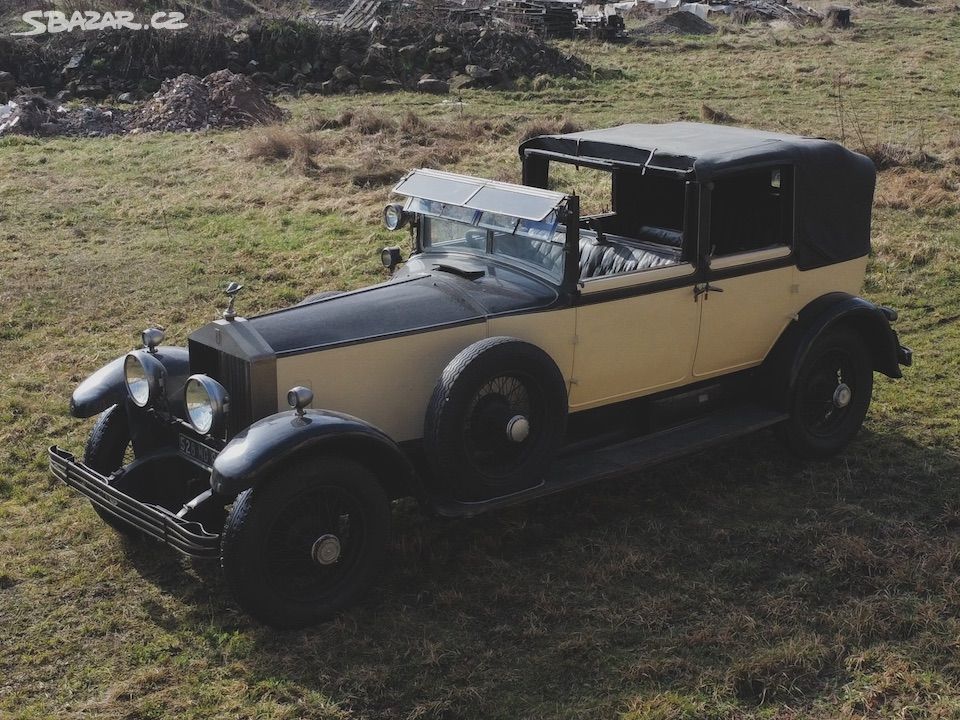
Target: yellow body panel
552	331
635	345
739	326
608	351
386	382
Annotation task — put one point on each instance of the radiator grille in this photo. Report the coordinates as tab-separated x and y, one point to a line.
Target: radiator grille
235	377
231	372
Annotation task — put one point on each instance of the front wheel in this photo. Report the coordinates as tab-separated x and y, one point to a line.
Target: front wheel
831	396
306	543
108	449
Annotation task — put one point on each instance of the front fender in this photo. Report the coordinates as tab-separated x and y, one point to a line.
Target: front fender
106	386
265	446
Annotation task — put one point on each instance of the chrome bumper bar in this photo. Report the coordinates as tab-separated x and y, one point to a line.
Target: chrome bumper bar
182	535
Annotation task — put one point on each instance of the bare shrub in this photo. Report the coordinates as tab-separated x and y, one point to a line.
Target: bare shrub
490	128
889	155
547	127
275	144
370	122
412	123
709	114
376	176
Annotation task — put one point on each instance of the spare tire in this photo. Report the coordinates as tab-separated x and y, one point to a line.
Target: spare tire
495	420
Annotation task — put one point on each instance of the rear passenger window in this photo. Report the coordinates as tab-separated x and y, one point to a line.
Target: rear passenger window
752	211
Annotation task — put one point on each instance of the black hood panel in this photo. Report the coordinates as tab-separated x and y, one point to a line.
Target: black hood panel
416	299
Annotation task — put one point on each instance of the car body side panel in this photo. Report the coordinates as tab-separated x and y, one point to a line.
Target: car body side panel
633	346
387	382
842	277
553	331
740	325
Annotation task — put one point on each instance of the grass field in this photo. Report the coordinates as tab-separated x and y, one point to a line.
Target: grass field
739	583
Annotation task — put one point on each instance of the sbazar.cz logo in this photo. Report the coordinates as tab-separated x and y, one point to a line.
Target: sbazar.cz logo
55	21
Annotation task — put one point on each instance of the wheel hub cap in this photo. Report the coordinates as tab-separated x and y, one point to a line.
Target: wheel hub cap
326	550
842	395
518	428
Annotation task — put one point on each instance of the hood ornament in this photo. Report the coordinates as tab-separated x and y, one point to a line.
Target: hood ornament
231	290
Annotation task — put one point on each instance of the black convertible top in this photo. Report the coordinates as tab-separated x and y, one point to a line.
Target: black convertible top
833	185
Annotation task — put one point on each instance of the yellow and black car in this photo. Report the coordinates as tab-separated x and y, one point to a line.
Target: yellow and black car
522	348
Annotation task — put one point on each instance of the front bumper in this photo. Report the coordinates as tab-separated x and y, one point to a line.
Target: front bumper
184	536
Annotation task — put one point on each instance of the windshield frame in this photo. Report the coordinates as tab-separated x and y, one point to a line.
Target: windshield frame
550	230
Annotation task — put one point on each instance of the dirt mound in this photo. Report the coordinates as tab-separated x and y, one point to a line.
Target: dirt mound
35	115
221	99
678	23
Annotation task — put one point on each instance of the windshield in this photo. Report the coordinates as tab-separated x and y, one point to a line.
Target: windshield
536	244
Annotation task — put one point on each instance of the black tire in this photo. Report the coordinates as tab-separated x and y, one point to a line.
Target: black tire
818	427
467	427
276	531
108	449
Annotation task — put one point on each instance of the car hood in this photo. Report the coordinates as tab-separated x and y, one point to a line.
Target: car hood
418	298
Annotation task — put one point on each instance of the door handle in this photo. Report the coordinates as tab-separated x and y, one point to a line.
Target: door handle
704	289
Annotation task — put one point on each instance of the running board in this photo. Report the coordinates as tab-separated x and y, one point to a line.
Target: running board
571	470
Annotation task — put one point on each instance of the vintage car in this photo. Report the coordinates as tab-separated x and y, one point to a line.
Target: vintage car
521	349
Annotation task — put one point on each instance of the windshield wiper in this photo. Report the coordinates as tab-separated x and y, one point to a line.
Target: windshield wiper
462	272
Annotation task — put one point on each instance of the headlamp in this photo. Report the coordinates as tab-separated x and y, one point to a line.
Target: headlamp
144	376
206	403
394	217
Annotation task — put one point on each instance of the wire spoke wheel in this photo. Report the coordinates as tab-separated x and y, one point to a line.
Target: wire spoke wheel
307	541
315	542
495	420
497	407
826	400
831	395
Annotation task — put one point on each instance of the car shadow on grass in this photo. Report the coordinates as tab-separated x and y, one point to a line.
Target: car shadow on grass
728	581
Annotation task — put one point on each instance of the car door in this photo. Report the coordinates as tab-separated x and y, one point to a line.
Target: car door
635	334
749	291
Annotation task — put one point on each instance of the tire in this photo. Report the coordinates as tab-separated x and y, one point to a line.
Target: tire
471	438
108	449
819	426
276	548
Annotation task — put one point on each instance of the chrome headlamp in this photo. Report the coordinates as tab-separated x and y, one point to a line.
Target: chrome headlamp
395	217
144	376
206	403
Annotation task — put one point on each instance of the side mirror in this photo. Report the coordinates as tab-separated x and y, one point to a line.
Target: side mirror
391	257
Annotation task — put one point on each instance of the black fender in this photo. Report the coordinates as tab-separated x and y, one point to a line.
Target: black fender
268	444
106	386
782	365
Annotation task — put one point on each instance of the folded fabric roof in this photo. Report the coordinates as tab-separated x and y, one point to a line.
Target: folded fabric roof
833	186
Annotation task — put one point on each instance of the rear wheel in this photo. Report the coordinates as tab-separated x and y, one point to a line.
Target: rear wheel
108	449
305	544
831	396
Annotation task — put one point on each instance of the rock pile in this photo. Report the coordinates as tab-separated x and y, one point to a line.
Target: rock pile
35	115
184	103
288	55
221	99
678	23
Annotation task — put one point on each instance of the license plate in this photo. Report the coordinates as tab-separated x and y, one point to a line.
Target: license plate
196	451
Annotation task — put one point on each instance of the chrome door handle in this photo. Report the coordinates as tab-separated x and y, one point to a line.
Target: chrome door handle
704	289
